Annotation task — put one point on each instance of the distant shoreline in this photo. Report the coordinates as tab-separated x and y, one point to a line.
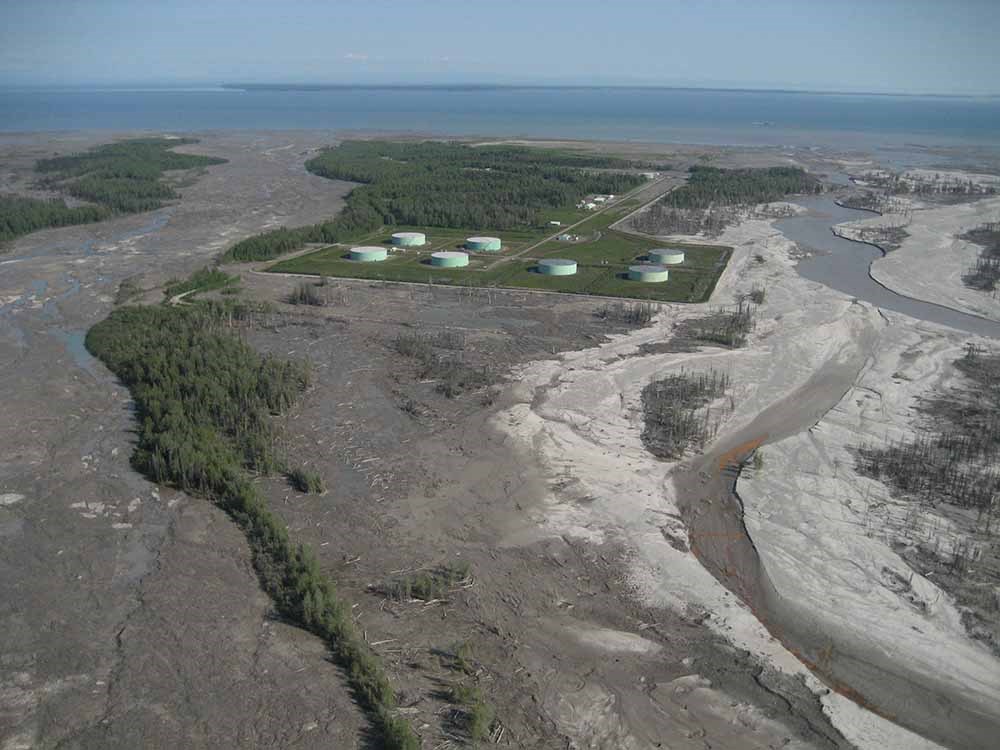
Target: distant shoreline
654	115
583	87
468	86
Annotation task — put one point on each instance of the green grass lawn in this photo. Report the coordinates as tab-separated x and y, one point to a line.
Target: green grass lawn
405	265
454	239
603	256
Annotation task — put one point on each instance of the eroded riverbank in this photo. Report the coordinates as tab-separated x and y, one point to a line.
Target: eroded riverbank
811	346
809	338
572	652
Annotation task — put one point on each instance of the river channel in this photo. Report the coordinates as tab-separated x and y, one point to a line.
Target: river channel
844	265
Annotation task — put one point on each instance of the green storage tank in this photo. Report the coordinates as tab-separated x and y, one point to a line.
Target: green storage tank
557	267
368	254
483	244
449	259
666	256
409	239
648	274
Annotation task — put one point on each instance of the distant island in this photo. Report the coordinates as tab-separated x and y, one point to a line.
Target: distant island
486	86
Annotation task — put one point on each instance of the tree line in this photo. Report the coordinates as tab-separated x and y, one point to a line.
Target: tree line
20	215
985	272
444	184
204	403
116	178
713	186
927	185
955	458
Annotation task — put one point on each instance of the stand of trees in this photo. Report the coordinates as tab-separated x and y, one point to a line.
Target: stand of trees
926	185
436	184
123	177
676	411
20	215
204	404
708	186
714	198
352	222
985	273
956	458
662	219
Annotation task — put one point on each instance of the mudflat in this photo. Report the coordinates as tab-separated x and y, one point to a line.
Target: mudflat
133	613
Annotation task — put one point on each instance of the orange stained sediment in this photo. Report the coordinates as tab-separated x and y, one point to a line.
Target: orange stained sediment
735	455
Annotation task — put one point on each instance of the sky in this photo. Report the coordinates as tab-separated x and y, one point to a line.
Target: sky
899	46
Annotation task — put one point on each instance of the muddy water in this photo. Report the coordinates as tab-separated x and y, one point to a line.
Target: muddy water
714	514
844	265
49	316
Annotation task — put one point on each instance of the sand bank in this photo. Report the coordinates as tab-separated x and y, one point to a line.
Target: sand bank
824	536
580	416
930	262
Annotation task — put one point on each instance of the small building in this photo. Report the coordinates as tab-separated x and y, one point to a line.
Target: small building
566	238
590	206
600	199
555	223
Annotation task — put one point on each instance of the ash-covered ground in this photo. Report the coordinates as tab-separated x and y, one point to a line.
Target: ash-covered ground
132	614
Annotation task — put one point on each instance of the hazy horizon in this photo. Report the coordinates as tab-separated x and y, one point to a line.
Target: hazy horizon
458	83
893	47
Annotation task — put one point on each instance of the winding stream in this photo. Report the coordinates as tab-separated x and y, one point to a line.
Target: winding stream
844	265
713	511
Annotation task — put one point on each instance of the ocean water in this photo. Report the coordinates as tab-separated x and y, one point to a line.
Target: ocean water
712	117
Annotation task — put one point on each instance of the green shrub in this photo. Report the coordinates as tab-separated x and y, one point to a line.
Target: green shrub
454	377
202	280
477	715
128	289
306	480
462	659
427	584
480	721
305	293
464	695
204	401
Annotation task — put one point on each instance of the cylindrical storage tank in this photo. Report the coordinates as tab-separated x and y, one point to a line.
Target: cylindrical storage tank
557	267
666	256
648	274
368	254
449	259
483	244
409	239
